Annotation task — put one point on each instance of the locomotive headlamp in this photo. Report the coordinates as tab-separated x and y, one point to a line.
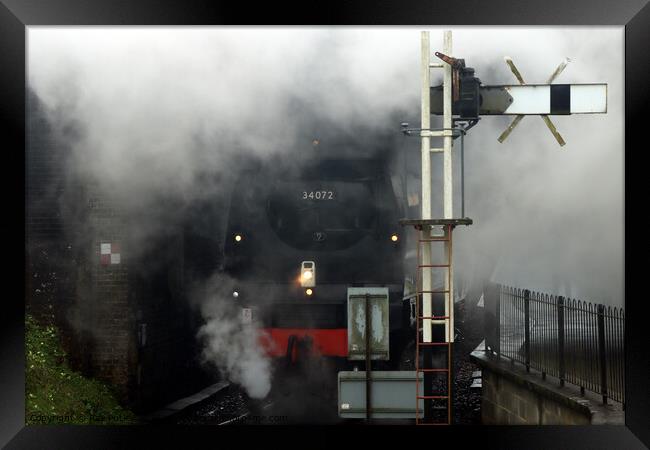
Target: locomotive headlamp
238	237
308	274
394	237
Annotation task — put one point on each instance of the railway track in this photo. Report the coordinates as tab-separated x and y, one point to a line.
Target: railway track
308	395
296	398
244	417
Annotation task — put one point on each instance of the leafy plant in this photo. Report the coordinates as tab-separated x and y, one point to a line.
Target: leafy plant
55	394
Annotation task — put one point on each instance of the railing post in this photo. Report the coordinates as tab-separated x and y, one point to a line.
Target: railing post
498	322
601	352
486	319
560	338
527	328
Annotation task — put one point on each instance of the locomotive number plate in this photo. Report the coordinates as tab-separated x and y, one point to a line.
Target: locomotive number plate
317	195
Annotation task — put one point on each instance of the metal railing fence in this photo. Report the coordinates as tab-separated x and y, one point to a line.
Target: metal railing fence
574	341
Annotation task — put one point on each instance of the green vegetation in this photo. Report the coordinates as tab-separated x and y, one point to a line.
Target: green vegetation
54	394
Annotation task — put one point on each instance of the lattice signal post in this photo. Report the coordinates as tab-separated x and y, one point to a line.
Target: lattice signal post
462	100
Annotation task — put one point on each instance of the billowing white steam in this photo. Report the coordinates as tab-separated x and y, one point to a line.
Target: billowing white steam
230	344
153	109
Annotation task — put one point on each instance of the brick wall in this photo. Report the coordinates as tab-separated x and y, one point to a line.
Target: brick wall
138	327
512	396
104	305
126	323
50	253
508	403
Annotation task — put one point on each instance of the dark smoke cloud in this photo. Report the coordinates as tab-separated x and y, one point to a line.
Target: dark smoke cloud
157	109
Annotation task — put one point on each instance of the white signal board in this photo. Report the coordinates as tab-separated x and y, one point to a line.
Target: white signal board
557	99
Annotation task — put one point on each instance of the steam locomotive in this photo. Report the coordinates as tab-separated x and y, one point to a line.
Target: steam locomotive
298	236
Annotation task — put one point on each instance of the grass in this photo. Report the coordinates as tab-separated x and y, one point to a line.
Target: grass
55	394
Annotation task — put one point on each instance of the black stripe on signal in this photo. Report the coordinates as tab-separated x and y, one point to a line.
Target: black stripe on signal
560	99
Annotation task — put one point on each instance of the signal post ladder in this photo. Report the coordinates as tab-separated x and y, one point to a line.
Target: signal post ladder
436	351
435	325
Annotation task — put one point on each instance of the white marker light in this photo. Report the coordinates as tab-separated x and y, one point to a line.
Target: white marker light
235	294
238	238
309	291
308	274
394	238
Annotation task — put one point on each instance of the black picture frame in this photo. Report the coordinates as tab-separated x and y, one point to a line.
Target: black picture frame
15	15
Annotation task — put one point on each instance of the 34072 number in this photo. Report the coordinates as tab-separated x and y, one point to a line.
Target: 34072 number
318	195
